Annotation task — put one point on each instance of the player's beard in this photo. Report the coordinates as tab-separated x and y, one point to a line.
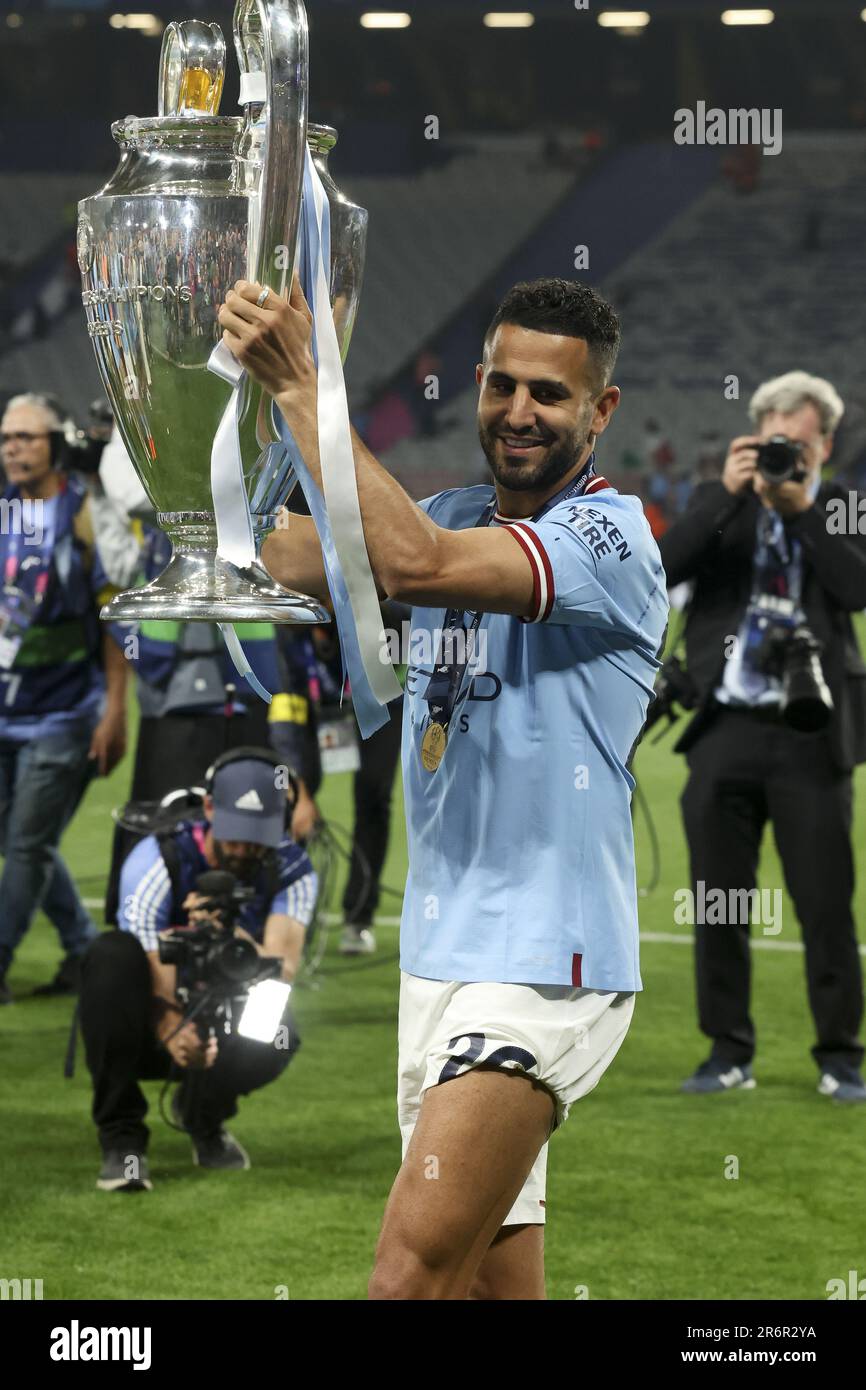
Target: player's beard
518	475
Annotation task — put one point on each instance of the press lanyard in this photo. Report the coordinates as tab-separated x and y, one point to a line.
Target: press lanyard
443	687
19	609
10	567
772	540
314	684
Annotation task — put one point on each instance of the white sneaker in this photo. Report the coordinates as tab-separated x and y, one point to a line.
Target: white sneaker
357	941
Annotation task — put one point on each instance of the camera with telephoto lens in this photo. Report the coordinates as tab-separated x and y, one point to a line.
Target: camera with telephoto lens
674	686
101	419
780	460
793	657
217	966
81	450
82	453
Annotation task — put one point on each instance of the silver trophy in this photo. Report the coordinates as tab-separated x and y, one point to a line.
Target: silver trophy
197	202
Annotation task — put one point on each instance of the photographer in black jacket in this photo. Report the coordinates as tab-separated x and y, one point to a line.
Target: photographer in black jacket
775	585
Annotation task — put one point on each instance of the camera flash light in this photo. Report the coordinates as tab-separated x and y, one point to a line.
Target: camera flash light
263	1010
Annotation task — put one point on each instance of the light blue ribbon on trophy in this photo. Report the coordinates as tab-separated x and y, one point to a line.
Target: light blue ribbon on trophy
336	510
231	509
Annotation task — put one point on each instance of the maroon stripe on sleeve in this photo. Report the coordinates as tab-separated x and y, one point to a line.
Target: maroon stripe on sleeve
549	585
536	575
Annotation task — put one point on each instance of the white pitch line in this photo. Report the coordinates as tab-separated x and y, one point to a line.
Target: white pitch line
653	938
760	943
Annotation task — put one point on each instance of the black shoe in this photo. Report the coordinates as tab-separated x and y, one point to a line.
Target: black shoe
219	1150
5	992
66	981
124	1171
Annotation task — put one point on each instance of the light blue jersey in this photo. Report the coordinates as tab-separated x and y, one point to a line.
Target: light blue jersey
521	855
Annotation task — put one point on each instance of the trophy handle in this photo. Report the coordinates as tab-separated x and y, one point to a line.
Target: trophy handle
272	47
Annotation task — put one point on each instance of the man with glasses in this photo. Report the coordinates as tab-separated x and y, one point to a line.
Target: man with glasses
62	681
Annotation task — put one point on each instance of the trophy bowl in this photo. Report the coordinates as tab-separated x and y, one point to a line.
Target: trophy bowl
197	202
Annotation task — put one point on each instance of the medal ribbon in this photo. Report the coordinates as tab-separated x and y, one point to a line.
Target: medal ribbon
444	684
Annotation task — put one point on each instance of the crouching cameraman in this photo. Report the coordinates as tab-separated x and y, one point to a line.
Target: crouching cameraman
158	1001
781	721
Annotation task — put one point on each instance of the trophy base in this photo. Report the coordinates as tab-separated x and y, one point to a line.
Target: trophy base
200	586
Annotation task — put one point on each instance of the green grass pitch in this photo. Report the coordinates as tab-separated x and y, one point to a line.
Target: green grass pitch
638	1202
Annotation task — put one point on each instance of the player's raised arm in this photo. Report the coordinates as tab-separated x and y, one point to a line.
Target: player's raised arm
293	555
412	558
424	564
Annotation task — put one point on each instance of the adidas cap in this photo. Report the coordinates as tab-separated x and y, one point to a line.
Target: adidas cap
247	803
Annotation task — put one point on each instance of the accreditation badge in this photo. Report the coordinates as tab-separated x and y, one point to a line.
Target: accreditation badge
17	611
433	746
338	744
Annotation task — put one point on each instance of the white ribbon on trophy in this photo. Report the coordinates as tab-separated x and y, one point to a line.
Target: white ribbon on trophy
337	514
231	507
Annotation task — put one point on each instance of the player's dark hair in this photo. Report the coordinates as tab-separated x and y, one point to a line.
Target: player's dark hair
566	307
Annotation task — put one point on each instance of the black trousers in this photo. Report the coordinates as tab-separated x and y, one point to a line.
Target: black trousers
176	751
748	769
373	790
121	1049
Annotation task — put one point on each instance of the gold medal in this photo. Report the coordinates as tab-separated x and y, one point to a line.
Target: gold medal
433	746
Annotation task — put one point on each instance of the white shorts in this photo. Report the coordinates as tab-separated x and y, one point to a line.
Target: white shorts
565	1037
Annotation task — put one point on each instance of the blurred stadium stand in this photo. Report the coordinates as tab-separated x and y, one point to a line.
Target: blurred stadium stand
745	285
434	238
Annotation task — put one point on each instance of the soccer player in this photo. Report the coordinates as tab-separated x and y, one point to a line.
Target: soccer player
519	935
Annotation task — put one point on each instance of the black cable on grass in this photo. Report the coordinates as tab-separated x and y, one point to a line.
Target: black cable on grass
355	854
329	843
653	838
169	1081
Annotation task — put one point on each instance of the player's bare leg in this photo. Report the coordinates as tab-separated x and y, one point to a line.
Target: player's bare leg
513	1267
474	1144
